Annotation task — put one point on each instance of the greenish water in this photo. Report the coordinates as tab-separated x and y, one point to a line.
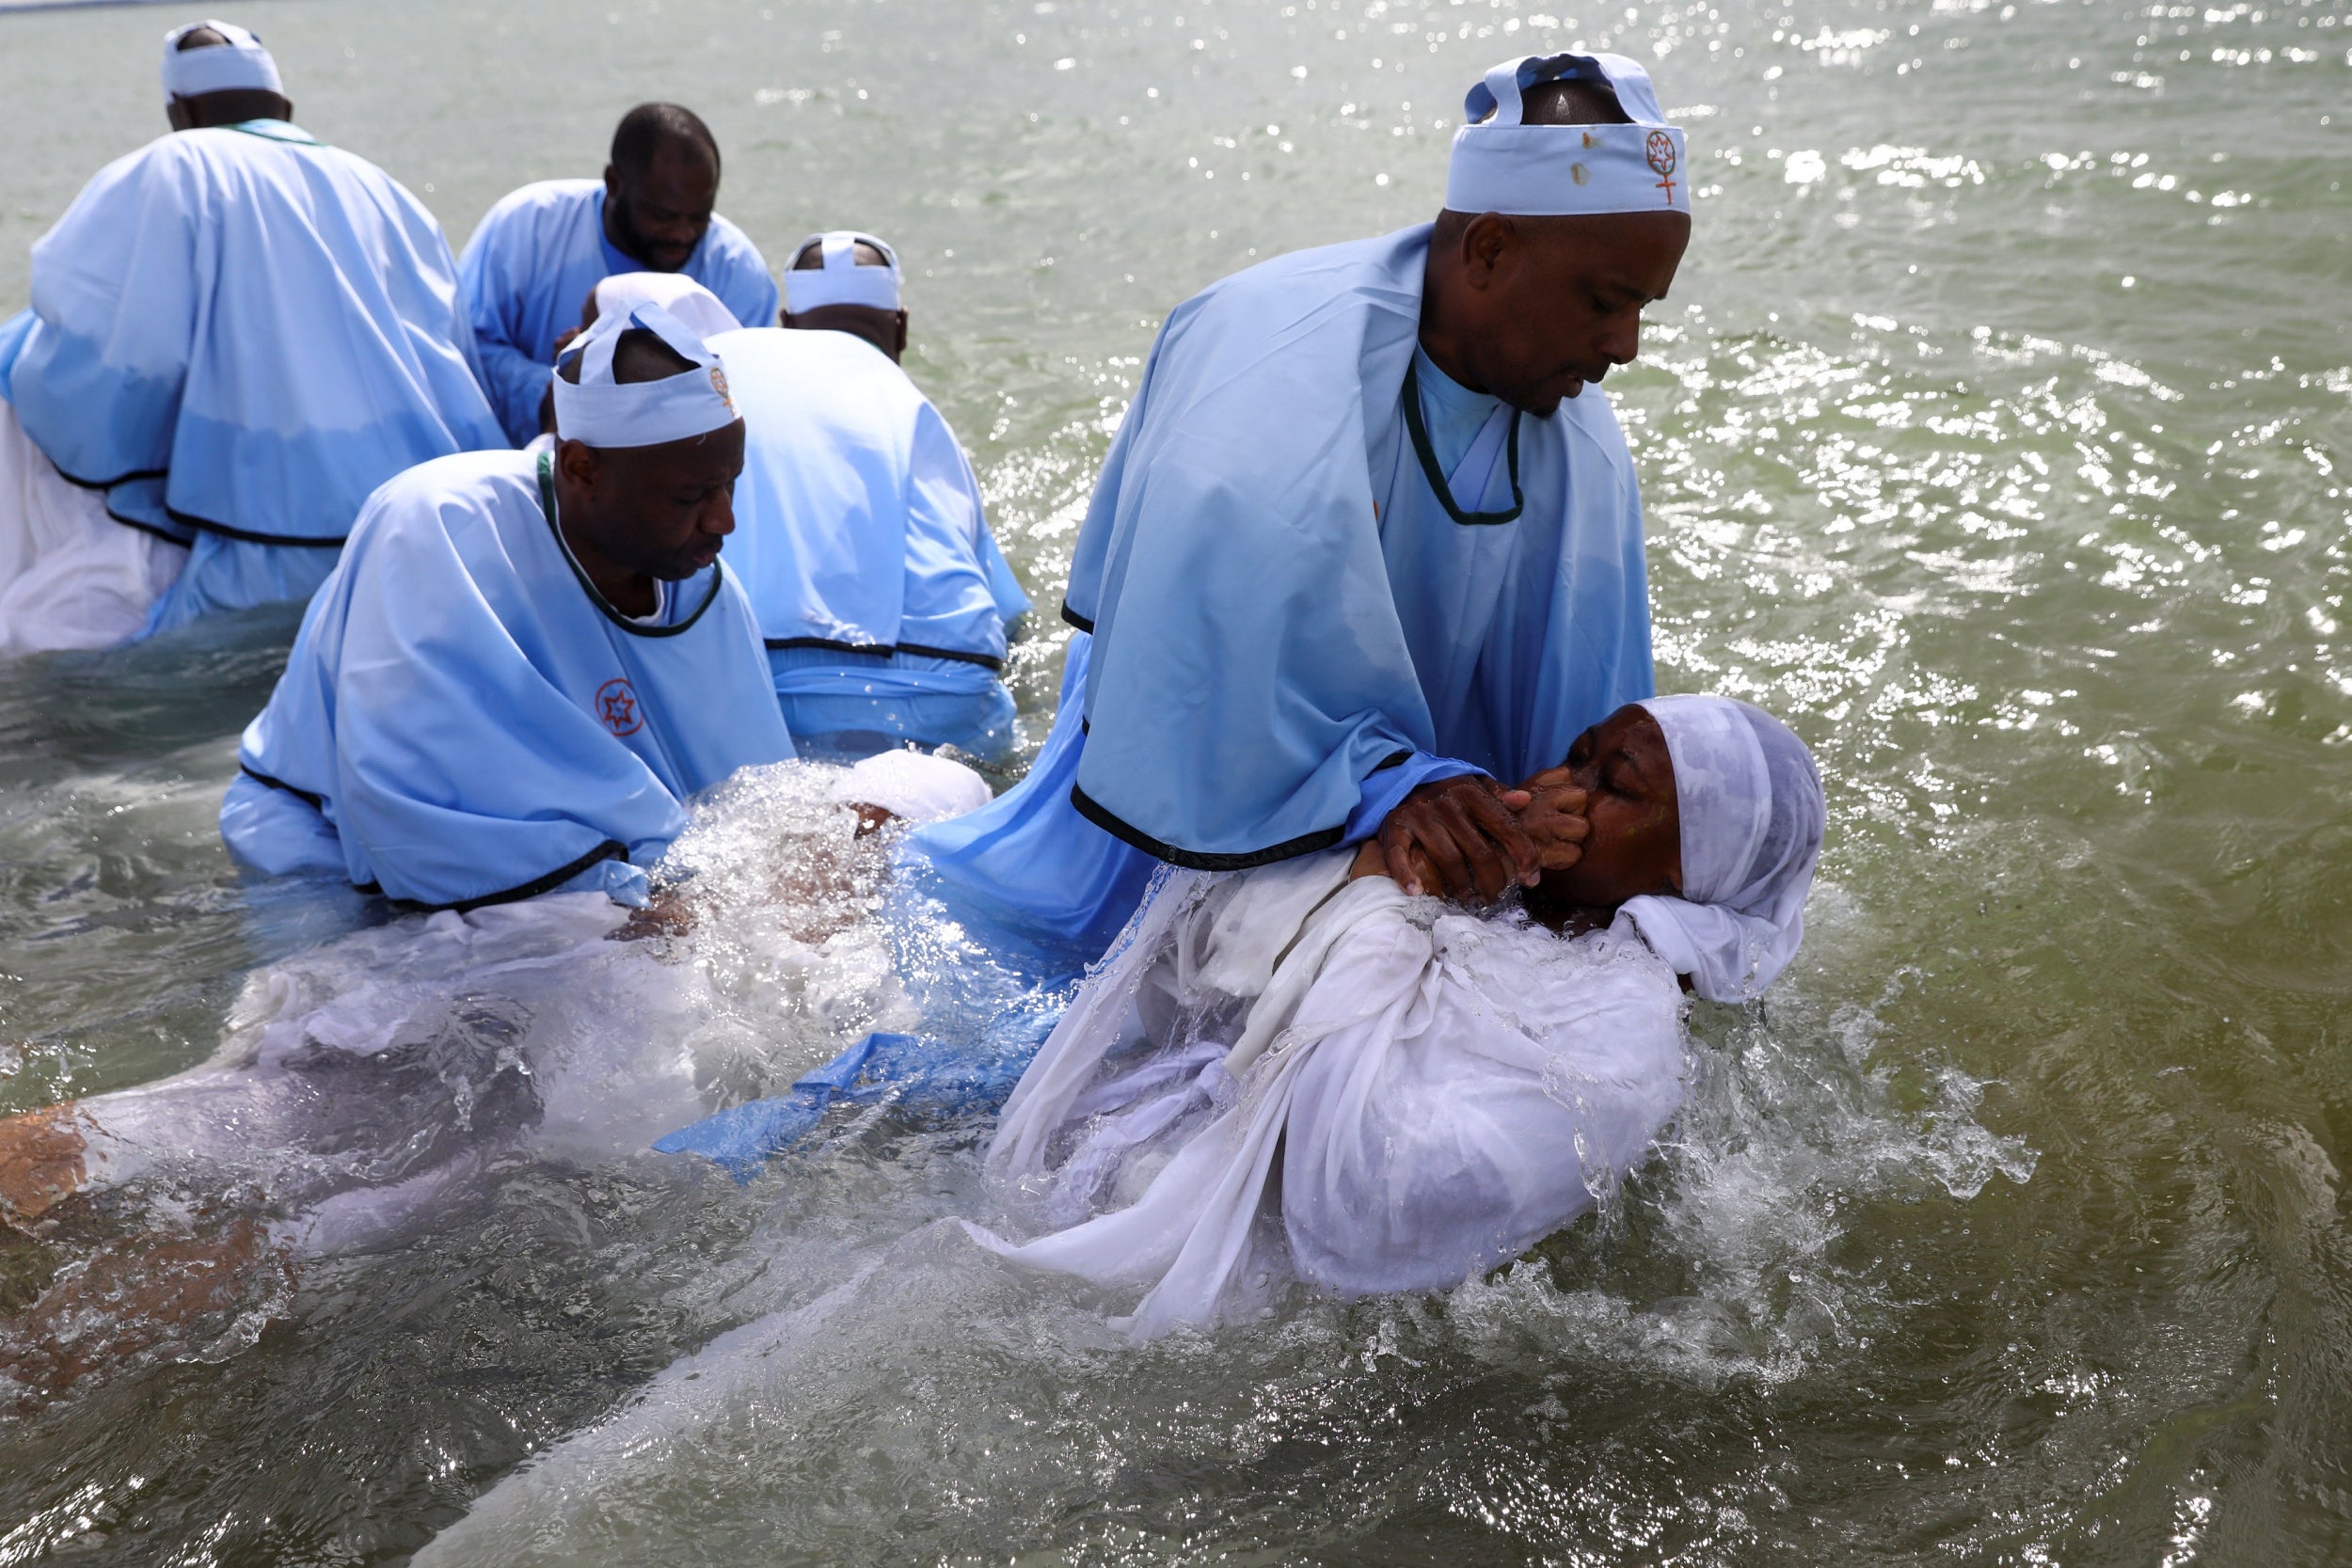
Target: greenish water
1995	433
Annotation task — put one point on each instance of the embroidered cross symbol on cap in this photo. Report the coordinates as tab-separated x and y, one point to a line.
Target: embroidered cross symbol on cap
1661	158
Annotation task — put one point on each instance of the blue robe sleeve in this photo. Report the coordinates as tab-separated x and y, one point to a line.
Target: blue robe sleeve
1249	670
956	578
495	278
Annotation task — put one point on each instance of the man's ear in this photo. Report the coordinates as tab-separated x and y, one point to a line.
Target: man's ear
580	463
175	111
784	319
902	335
1485	240
612	182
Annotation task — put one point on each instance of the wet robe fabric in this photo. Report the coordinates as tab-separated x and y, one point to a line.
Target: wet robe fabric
237	334
863	545
464	720
1280	1074
529	267
1291	627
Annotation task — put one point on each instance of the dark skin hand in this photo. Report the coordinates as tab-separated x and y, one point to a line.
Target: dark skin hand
659	213
633	514
1608	822
1467	830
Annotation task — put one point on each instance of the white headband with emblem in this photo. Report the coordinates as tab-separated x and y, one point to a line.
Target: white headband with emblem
242	63
1502	165
842	279
603	412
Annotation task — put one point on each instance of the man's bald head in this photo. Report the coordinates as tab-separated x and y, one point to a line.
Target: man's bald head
650	129
1572	103
637	355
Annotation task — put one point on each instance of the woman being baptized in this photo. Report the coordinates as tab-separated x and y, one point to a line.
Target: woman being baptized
1300	1071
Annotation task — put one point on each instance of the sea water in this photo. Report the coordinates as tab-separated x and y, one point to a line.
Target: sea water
1994	433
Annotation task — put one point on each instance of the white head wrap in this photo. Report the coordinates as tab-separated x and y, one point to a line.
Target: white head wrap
841	280
915	786
1503	166
1751	820
605	413
688	301
242	63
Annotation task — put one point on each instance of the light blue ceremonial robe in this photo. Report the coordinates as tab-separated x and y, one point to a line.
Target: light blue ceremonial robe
860	538
238	334
1289	629
465	720
529	267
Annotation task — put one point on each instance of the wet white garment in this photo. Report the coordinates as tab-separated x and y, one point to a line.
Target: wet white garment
1282	1074
1753	816
71	577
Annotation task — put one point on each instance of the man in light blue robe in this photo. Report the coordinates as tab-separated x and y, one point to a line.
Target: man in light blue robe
236	334
525	663
528	270
864	544
1368	546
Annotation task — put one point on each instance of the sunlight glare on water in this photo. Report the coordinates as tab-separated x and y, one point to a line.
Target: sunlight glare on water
1995	434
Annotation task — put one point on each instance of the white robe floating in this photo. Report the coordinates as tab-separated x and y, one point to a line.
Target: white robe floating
235	335
1300	611
860	538
1440	1092
464	721
529	267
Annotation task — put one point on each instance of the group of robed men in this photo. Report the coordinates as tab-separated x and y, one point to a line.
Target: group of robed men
1367	542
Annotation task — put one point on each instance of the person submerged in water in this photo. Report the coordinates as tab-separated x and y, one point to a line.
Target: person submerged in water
372	1087
1303	1072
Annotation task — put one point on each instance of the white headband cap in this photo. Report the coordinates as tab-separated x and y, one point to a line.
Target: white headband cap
605	413
1752	819
242	63
915	786
1502	165
696	307
842	280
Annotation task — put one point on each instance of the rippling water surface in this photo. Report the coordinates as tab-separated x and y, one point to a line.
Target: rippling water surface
1995	433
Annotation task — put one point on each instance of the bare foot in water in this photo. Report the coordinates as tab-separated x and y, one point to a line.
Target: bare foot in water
41	1162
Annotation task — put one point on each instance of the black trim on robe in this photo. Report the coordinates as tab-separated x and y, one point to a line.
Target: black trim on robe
610	849
316	802
885	649
1419	432
1193	859
1075	619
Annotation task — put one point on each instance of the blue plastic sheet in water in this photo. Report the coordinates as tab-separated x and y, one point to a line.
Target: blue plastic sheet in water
911	1070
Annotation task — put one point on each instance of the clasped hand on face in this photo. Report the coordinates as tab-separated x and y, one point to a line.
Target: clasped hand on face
1467	838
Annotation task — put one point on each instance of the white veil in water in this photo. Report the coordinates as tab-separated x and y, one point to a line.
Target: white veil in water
1751	820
